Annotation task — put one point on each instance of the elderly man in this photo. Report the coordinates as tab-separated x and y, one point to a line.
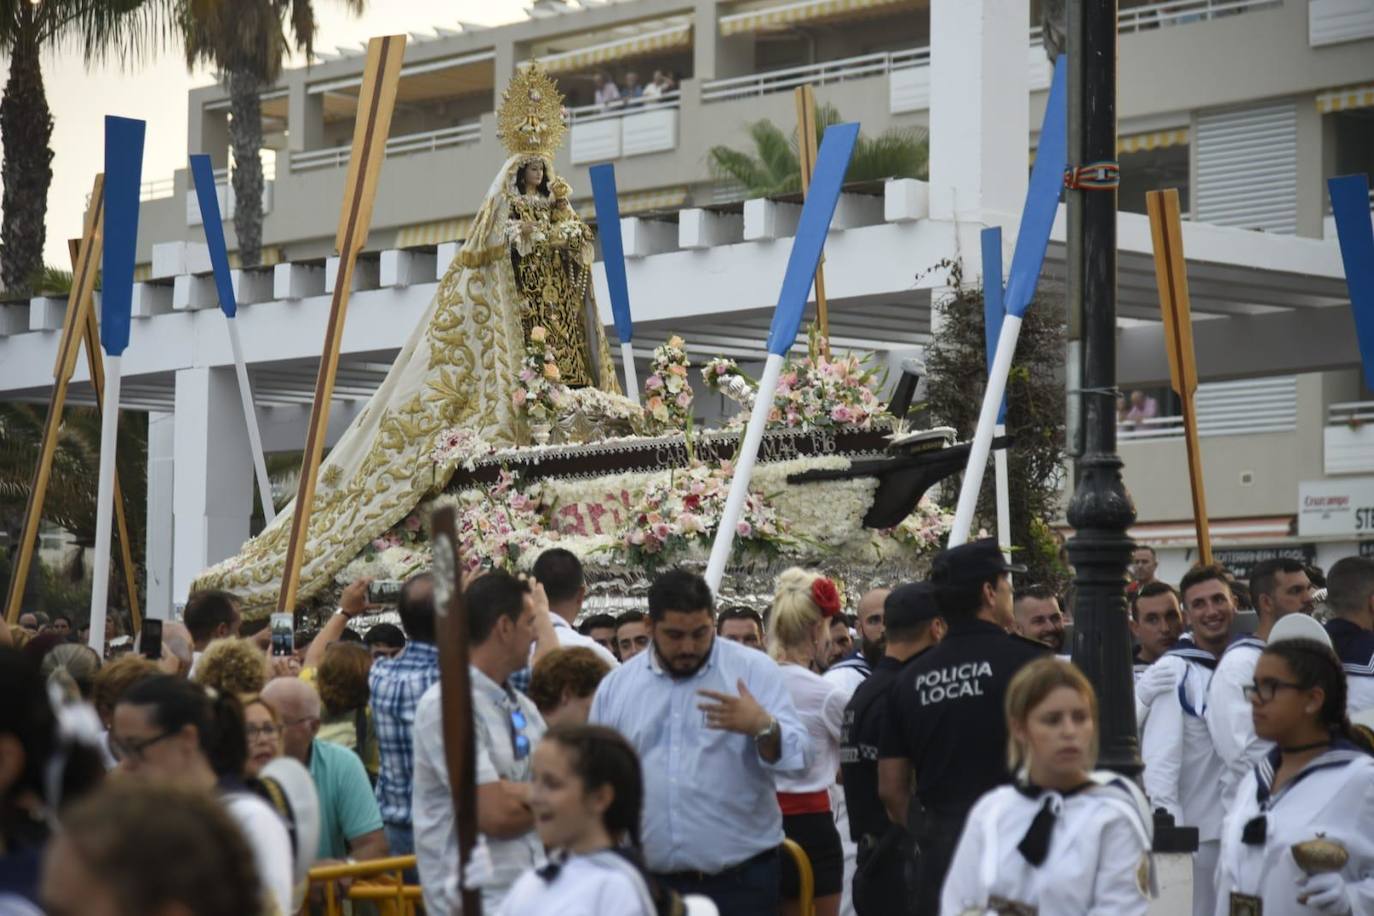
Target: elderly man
350	821
712	722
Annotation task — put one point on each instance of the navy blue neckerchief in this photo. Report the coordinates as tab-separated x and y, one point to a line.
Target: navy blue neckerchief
1186	649
1341	753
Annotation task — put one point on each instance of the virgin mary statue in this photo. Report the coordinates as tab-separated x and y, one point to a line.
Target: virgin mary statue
526	262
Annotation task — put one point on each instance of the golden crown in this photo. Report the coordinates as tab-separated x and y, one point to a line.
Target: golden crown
531	115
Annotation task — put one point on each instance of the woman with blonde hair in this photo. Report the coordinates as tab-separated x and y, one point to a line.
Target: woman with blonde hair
1064	838
799	640
234	666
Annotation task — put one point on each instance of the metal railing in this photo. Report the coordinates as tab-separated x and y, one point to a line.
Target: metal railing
833	71
159	188
1131	19
428	141
1350	413
1182	12
1228	409
620	108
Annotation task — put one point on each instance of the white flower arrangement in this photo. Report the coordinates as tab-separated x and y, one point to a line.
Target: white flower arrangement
540	393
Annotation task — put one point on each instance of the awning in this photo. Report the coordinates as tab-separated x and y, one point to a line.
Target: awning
1230	531
445	230
640	202
772	17
1155	139
1349	97
677	36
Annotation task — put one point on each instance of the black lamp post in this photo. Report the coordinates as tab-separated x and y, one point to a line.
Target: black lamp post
1101	510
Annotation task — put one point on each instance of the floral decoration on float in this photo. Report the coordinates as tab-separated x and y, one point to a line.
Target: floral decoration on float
632	489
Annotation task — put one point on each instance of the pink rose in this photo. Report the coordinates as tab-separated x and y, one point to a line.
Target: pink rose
744	529
841	414
662	531
519	397
412	523
684	400
653	383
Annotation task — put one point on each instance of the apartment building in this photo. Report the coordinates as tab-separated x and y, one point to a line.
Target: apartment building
1246	106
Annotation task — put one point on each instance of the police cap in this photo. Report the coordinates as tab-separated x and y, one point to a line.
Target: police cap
971	563
908	605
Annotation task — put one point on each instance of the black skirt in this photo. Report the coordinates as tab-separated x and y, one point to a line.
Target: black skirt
820	840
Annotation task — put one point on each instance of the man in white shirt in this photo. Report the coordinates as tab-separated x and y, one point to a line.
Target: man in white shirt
1350	596
560	573
1182	768
606	90
507	726
1278	588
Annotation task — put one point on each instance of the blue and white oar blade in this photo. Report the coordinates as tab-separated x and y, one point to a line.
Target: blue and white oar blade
1350	207
612	247
1042	198
831	163
123	178
993	308
204	174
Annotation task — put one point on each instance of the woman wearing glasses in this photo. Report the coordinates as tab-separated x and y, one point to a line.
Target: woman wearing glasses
263	730
1298	838
169	731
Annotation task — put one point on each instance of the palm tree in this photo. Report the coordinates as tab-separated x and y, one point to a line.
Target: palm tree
99	28
245	40
774	168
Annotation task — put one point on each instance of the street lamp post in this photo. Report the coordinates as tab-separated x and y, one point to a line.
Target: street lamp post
1101	510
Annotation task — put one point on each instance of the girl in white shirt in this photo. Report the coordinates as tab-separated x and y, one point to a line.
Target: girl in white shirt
1313	792
1063	839
586	798
799	641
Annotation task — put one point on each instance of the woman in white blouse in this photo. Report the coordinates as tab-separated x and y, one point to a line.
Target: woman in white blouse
586	798
1298	838
799	641
1063	838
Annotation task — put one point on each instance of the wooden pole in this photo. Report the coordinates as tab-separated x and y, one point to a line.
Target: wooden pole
806	152
95	367
83	282
460	749
375	103
1171	275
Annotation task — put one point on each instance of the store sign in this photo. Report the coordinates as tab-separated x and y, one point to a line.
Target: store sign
1242	560
1339	507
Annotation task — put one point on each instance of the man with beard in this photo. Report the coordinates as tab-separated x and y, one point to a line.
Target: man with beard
1037	614
849	672
712	723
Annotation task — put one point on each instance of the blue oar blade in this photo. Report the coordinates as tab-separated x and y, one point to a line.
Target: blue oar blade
1350	206
204	174
123	179
612	247
1042	198
992	300
831	163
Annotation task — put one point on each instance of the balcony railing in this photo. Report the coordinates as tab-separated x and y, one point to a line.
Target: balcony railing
833	71
337	156
622	107
1243	408
1181	12
1348	437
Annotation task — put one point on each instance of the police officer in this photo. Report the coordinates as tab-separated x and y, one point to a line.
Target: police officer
913	626
945	719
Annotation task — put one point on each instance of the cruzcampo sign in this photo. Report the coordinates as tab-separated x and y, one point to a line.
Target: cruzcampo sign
1342	507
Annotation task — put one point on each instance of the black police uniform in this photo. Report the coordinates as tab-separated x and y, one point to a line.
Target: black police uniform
945	715
885	848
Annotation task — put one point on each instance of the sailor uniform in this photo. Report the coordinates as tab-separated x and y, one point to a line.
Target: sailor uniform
1355	646
1228	715
603	883
1182	769
1332	798
1081	852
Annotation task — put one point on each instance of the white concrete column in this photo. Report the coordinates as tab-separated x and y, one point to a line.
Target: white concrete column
212	476
979	112
159	543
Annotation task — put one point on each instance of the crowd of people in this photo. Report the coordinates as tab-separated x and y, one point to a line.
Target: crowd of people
931	752
630	89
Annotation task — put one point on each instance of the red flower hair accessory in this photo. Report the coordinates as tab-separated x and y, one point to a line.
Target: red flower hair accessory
826	596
